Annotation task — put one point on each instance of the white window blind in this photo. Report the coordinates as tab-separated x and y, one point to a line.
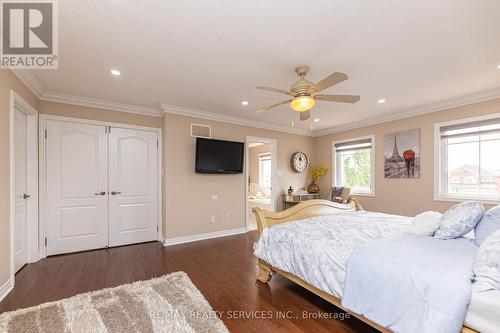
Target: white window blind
265	170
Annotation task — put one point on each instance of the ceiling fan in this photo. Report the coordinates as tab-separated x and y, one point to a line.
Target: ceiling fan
304	93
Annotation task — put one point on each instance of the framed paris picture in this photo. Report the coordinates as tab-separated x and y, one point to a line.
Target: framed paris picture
402	154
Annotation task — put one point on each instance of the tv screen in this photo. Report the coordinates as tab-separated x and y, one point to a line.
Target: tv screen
218	156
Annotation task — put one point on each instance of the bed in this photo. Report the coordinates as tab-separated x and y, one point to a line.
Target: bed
328	282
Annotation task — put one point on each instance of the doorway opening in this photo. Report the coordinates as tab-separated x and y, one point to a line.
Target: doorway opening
260	177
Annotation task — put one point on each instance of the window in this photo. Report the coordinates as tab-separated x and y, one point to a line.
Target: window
354	165
265	170
469	180
468	162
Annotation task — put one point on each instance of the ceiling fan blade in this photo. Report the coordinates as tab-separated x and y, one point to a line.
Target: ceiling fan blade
273	106
305	115
338	98
328	81
276	90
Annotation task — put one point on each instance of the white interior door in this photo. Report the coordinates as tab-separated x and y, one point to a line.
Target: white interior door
20	181
133	186
77	185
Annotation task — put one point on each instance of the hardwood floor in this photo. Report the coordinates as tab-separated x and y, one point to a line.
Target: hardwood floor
223	269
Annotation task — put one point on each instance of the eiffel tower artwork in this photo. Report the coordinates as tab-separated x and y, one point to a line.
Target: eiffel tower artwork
402	154
395	158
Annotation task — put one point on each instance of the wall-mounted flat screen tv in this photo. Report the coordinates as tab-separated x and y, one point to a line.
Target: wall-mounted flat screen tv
219	156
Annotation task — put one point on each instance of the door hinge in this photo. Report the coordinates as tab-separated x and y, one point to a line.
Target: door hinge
109	129
157	228
45	134
157	143
45	241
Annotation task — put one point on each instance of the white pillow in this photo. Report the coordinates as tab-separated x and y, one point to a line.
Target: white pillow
487	264
425	224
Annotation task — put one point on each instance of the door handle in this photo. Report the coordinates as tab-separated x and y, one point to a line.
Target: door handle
115	193
100	193
26	196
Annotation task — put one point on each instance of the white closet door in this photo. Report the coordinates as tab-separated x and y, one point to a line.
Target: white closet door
133	186
20	180
77	183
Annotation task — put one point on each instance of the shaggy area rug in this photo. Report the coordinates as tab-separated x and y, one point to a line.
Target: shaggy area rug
170	303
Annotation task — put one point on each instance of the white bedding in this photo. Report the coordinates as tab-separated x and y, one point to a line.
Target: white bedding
483	314
411	284
317	249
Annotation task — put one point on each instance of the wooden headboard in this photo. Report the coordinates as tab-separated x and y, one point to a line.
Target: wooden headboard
310	208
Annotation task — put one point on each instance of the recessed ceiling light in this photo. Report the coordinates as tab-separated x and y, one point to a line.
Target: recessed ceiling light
498	66
245	103
381	101
316	120
115	72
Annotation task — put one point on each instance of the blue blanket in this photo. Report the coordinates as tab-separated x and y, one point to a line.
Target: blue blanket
411	284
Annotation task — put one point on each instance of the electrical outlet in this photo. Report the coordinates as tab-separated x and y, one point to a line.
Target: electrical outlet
226	217
212	219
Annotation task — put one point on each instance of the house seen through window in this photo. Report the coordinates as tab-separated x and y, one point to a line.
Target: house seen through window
470	159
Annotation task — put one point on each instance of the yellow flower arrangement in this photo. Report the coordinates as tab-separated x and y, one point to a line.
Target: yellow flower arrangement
316	172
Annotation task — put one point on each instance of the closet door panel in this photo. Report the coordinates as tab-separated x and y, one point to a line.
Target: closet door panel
133	185
77	182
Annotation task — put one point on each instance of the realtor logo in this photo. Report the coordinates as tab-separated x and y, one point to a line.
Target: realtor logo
29	34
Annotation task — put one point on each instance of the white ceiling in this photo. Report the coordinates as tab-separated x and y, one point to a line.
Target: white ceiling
210	55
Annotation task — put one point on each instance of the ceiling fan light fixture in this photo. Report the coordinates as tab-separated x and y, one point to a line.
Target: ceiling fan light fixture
302	103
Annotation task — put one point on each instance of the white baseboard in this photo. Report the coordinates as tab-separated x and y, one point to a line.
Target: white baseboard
162	239
252	227
5	289
208	235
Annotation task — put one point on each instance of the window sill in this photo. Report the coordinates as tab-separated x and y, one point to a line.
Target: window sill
362	194
483	200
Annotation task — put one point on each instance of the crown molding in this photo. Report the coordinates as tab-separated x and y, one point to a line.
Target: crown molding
224	118
53	96
30	80
38	89
482	96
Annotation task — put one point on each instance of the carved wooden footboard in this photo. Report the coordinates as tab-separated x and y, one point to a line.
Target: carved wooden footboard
311	208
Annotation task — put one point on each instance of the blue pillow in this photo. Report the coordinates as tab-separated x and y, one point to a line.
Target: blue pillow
488	225
459	220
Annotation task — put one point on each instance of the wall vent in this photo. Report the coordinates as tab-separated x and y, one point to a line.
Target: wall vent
201	131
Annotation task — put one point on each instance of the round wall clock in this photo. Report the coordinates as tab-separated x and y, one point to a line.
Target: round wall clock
299	162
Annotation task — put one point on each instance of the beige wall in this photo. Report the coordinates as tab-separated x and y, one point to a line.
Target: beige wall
188	195
75	111
402	196
253	161
8	81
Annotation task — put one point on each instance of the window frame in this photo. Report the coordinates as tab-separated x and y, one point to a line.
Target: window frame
335	177
266	157
440	166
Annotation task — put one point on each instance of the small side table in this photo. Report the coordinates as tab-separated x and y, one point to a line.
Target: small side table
289	200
